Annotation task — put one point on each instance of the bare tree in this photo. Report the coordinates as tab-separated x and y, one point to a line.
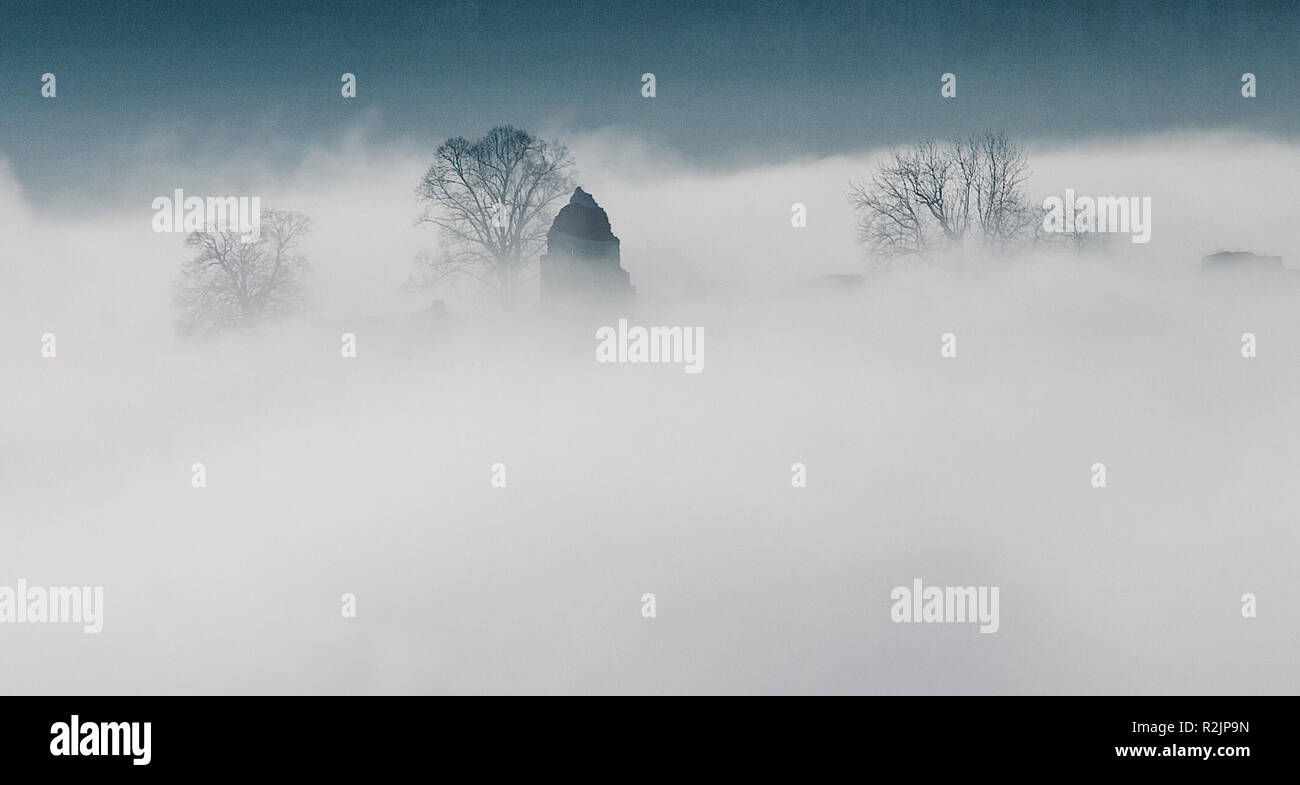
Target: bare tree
1081	241
1001	174
937	196
231	283
940	179
893	222
491	200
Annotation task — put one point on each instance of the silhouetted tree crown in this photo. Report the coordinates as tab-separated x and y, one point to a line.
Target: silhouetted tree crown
492	201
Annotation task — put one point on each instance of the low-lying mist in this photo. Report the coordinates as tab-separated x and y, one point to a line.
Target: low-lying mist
372	475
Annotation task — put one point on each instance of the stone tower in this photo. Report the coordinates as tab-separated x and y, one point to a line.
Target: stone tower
581	263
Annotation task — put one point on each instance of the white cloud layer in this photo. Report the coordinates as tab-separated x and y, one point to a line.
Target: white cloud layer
371	475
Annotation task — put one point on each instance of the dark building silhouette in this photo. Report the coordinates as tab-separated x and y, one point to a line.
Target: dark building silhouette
581	263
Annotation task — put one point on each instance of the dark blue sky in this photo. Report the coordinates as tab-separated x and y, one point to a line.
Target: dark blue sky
736	81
